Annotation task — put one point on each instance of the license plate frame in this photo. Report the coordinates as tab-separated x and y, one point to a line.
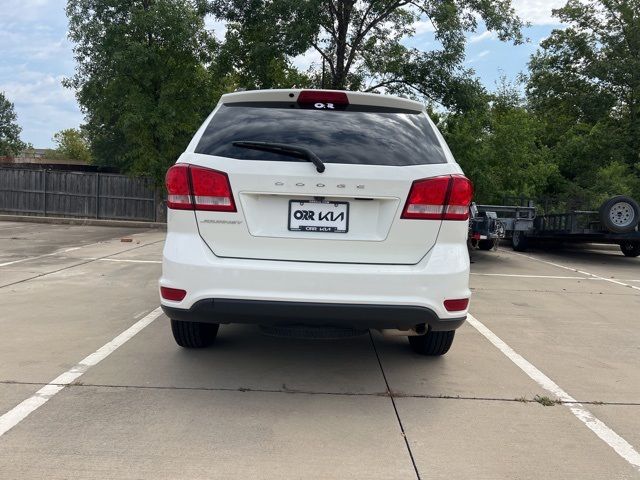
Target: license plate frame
305	225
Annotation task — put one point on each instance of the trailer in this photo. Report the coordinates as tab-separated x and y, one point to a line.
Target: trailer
490	223
616	222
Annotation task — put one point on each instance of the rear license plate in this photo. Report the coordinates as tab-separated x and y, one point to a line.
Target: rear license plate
310	216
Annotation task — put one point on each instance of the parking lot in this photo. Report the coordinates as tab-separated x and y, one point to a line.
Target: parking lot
80	400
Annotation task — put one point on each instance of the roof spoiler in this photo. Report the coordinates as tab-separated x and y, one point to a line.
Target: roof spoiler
292	95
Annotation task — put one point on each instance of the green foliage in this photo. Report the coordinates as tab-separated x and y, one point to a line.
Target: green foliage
360	43
497	146
72	144
10	143
254	55
148	72
576	138
141	78
616	178
584	85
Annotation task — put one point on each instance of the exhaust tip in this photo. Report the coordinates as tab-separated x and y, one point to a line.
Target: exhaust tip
416	331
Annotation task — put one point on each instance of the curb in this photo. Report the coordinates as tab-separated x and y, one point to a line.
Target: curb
83	221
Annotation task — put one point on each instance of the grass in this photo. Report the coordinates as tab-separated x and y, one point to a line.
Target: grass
546	401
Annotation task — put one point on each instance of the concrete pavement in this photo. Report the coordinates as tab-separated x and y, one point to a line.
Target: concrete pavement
254	406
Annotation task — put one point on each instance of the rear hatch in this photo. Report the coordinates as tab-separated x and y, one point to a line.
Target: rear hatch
372	149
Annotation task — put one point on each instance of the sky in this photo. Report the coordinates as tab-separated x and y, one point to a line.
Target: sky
35	55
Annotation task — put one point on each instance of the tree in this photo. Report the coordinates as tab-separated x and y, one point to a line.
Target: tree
253	58
498	147
72	144
360	42
585	84
141	78
10	143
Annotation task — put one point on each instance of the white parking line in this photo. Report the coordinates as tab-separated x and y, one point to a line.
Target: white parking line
592	275
42	396
527	276
128	260
66	250
611	438
57	252
552	277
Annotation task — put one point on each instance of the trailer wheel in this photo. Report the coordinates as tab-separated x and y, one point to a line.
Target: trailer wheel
487	244
630	249
519	241
620	214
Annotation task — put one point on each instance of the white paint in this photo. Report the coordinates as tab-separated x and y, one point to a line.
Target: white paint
109	259
592	275
57	252
42	396
548	277
607	279
72	249
528	276
127	260
611	438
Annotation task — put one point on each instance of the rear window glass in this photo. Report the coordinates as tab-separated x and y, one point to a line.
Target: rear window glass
354	134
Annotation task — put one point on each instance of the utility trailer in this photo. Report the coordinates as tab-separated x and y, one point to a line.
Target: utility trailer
489	223
616	222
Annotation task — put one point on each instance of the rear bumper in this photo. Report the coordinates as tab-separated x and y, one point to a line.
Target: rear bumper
261	291
308	313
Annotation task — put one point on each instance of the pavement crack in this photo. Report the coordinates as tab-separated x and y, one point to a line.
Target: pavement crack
395	408
293	391
211	389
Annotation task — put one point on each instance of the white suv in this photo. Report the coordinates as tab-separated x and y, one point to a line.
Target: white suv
318	208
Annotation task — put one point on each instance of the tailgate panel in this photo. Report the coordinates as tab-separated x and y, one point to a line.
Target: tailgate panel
376	197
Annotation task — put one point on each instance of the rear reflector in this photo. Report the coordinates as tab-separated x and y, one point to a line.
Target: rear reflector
323	96
456	305
439	198
173	294
191	187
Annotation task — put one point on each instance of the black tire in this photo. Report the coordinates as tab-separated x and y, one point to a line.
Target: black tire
620	214
194	334
432	343
487	244
630	249
519	241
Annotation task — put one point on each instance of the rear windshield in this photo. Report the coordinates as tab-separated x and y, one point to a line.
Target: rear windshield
354	134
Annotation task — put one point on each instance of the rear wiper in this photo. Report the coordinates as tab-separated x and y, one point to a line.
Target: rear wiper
284	149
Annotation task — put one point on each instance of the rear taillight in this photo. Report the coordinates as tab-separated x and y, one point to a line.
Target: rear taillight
211	190
439	198
427	198
190	187
323	96
178	189
460	197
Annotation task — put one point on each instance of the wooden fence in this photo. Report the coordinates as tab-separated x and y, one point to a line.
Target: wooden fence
78	194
